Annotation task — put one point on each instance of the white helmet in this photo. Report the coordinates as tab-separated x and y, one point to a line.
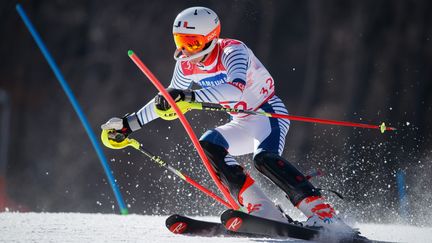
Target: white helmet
196	31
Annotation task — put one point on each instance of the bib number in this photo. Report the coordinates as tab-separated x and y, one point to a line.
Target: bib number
268	89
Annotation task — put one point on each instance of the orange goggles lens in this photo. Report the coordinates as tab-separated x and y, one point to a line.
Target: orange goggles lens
190	43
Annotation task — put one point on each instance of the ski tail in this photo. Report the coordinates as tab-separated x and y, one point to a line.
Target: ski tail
241	222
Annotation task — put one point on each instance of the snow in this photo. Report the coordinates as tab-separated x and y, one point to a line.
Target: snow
79	227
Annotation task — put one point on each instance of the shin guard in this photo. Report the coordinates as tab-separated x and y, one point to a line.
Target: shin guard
232	176
281	172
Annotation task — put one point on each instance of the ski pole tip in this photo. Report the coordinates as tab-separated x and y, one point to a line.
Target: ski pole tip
130	53
384	128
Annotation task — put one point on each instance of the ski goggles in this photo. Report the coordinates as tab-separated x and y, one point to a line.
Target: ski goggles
190	43
194	43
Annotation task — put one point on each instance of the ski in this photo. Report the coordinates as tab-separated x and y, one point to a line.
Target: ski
241	222
179	224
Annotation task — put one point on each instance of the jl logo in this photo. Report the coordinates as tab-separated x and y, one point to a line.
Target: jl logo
185	25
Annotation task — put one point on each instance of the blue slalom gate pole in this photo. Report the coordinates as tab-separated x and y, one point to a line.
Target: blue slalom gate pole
76	106
403	201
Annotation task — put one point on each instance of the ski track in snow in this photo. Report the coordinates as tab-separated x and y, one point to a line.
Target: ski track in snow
80	227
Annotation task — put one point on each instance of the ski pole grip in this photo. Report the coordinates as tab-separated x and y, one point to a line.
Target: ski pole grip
116	143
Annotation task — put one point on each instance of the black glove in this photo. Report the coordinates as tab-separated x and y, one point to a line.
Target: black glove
122	127
177	95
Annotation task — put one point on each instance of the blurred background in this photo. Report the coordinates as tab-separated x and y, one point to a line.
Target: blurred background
361	61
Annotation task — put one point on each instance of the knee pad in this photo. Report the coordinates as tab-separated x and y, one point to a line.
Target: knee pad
281	172
232	176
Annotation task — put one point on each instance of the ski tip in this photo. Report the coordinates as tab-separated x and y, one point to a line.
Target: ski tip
176	224
178	227
130	53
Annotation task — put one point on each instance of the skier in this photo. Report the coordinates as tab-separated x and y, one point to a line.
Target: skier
229	74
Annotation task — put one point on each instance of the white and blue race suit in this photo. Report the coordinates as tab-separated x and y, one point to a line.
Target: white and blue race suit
233	77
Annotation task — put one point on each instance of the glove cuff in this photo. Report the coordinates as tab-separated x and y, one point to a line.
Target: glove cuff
133	122
189	95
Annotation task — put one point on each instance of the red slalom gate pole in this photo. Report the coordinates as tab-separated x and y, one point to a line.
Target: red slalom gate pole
186	125
206	191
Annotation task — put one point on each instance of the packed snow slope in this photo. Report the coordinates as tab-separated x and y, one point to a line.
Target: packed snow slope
77	227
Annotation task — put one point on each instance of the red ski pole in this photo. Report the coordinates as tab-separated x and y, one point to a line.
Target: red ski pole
186	125
216	107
